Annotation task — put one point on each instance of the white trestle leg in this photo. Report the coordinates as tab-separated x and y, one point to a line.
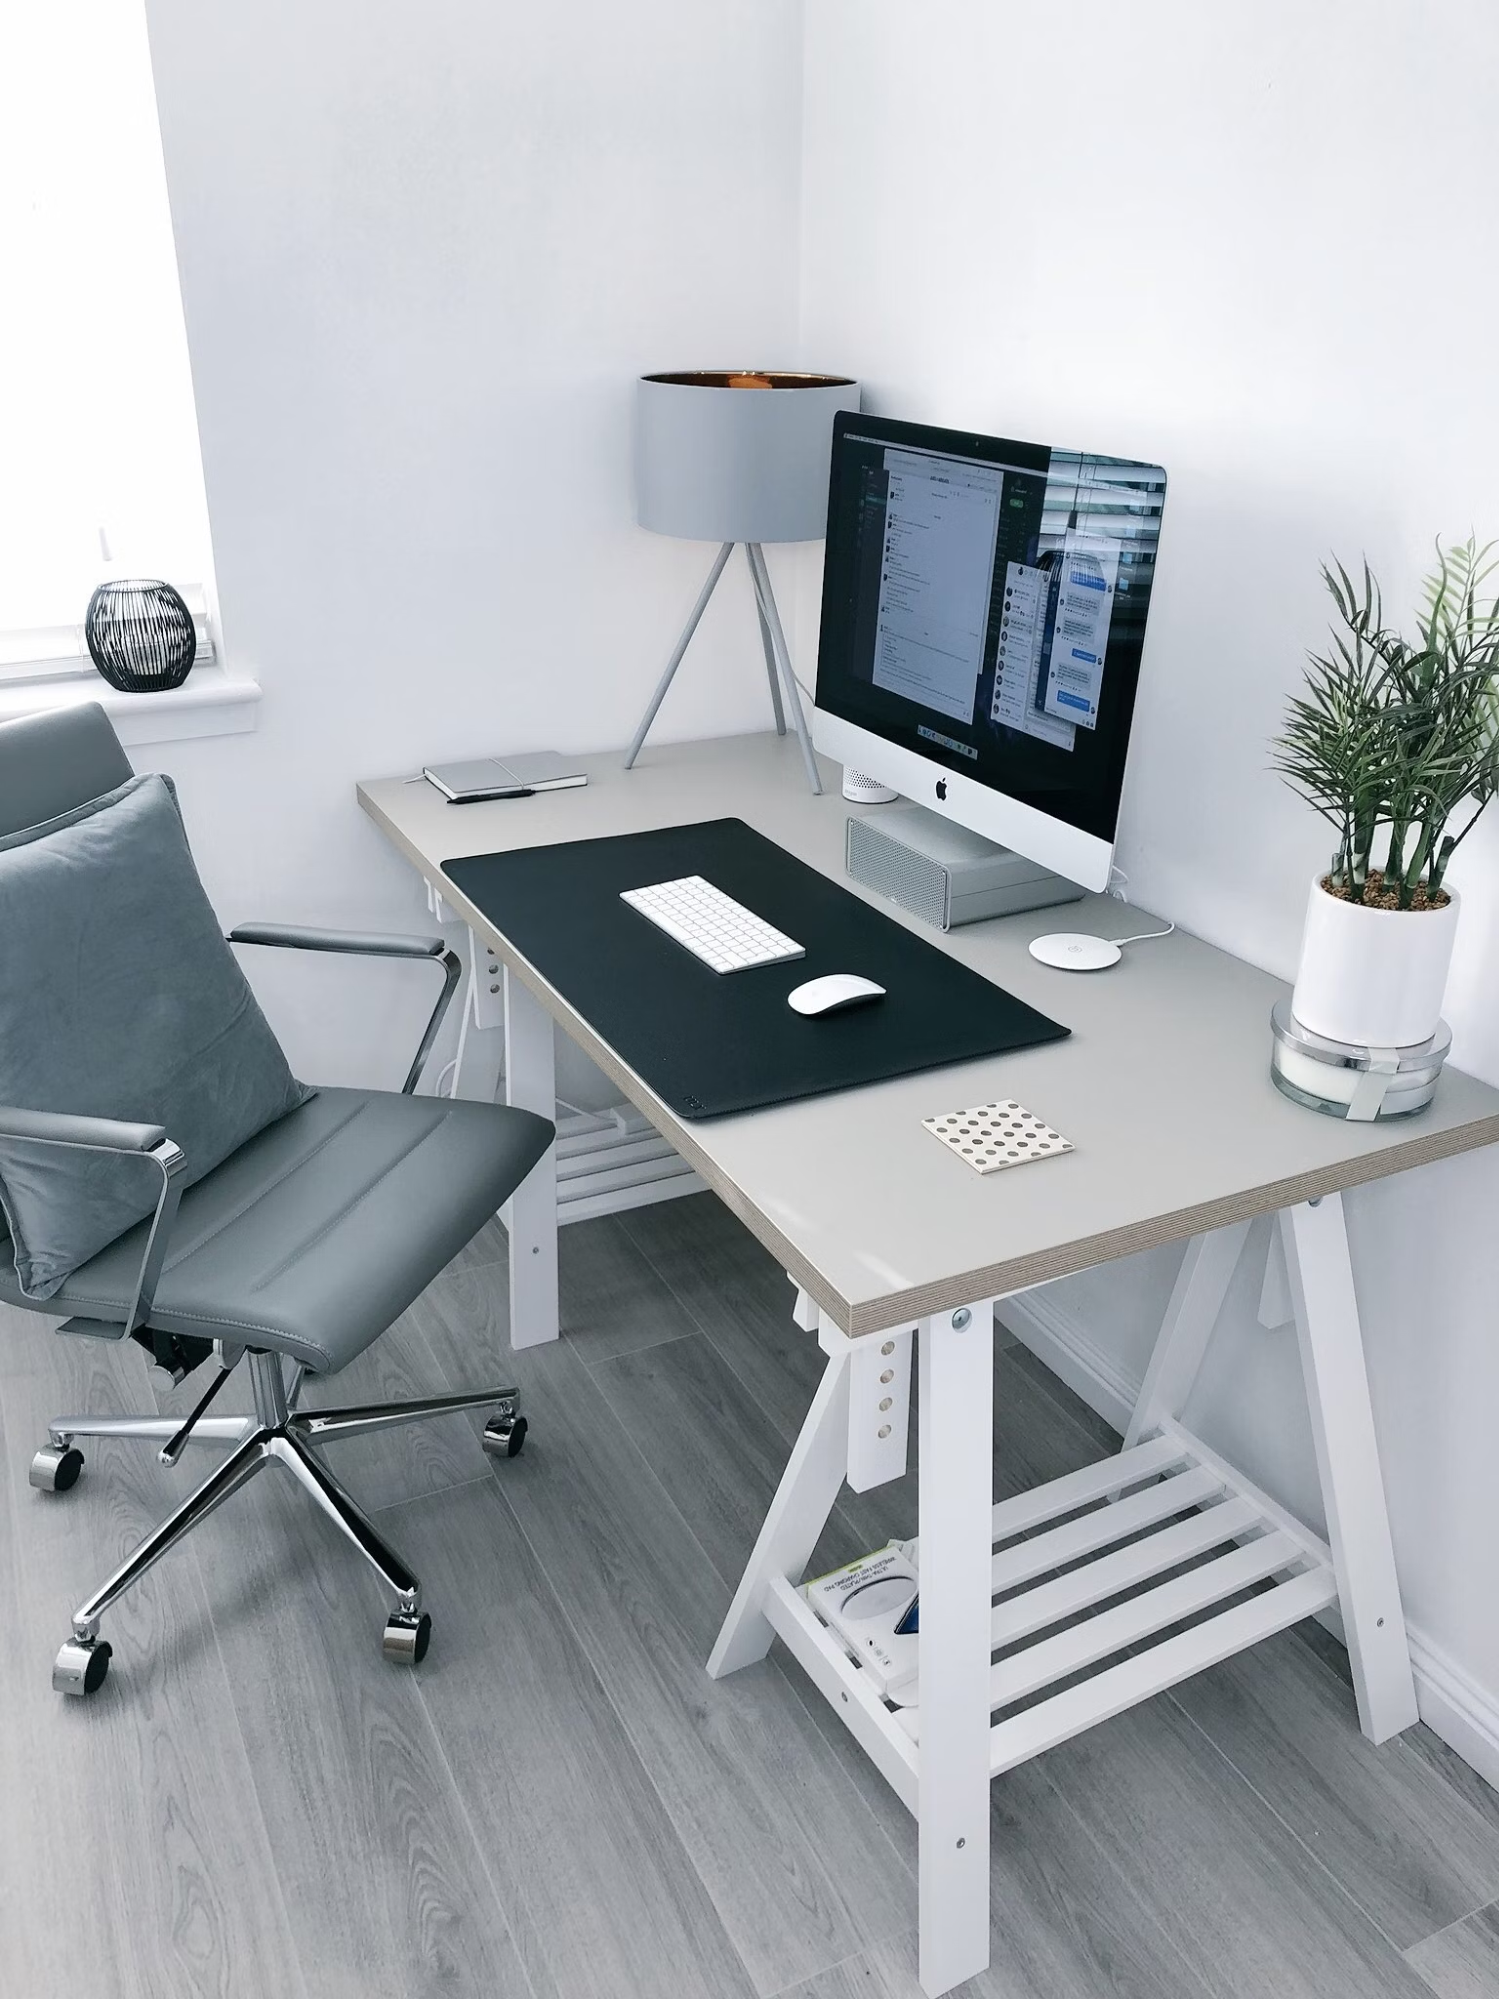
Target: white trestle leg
1343	1426
1308	1276
530	1215
955	1405
805	1309
804	1499
1178	1559
879	1408
480	1055
1185	1329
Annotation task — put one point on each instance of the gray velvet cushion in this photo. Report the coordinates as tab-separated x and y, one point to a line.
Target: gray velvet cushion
118	998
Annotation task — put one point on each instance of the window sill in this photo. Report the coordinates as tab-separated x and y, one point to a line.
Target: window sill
209	703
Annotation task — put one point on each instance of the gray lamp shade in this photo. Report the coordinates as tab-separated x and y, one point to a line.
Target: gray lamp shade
736	455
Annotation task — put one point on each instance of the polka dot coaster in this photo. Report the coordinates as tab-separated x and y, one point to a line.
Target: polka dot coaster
993	1136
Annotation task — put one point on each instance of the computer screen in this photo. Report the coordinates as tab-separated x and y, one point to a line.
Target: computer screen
984	606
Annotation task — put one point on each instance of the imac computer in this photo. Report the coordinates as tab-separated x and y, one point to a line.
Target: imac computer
984	608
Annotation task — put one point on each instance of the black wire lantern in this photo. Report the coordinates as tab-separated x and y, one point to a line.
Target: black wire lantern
141	636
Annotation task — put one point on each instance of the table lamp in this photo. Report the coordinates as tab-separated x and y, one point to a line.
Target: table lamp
738	456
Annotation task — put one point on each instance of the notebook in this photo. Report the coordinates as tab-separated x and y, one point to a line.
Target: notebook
504	777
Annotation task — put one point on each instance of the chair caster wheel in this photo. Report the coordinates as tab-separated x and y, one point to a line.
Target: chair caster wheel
407	1637
56	1468
504	1436
80	1667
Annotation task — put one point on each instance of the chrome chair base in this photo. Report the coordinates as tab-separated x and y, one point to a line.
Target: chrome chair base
279	1434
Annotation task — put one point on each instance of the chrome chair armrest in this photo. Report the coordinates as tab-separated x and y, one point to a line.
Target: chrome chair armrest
368	944
98	1134
354	943
128	1140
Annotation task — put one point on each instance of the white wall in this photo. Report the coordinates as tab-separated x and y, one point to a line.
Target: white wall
1258	246
424	252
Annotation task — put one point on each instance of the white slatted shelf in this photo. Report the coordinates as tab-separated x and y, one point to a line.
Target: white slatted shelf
1107	1524
1096	1582
607	1163
1190	1511
1112	1631
1081	1488
1316	1549
1136	1679
584	1154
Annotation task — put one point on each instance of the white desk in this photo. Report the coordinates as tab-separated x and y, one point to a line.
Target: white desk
1165	1092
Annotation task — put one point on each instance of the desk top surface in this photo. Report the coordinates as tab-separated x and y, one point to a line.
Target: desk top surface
1164	1086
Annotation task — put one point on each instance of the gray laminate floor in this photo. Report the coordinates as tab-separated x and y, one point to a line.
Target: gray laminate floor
559	1804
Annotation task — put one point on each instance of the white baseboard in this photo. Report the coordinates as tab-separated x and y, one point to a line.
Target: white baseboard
1449	1700
1063	1342
1456	1707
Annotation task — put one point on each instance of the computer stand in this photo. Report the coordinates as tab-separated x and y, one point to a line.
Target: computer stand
773	642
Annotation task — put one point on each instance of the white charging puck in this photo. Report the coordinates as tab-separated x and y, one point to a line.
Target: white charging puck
1071	951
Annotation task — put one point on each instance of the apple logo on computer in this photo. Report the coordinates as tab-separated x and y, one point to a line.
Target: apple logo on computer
942	787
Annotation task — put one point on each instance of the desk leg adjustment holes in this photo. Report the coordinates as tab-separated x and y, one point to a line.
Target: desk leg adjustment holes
56	1468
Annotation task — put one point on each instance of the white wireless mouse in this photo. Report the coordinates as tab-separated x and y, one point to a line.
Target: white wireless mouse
832	993
1072	951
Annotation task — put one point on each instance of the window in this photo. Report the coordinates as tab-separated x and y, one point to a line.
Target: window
100	473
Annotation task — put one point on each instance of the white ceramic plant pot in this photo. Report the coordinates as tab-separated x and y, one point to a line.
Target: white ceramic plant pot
1373	977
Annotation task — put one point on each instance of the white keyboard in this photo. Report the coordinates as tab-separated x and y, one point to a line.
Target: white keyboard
713	926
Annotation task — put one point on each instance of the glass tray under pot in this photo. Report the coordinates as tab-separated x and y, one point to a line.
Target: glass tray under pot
1343	1080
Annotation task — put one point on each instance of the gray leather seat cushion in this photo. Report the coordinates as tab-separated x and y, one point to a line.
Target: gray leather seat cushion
323	1228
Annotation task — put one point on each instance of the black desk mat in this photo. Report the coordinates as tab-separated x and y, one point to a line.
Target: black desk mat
708	1042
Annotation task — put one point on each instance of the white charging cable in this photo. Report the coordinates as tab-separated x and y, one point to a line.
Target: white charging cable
1144	936
1117	889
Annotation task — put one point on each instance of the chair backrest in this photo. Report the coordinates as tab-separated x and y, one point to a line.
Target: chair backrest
50	763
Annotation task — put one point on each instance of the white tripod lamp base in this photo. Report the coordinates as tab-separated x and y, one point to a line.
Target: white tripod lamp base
779	671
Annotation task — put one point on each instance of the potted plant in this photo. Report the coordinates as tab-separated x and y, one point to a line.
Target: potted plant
1394	742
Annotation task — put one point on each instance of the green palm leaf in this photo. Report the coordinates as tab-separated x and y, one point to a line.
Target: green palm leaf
1390	739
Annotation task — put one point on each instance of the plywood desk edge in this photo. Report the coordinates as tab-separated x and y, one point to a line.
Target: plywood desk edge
862	1318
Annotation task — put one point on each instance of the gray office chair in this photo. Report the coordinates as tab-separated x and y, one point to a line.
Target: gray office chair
293	1255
